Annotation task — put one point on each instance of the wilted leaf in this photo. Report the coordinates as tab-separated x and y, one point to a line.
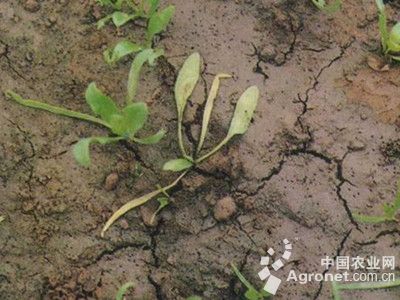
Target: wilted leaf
82	152
377	63
99	103
244	111
186	81
153	139
103	21
159	21
177	165
149	55
209	106
122	49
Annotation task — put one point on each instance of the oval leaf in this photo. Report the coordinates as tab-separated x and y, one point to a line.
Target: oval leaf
81	149
394	39
177	165
99	103
186	81
122	49
120	18
244	111
132	119
159	21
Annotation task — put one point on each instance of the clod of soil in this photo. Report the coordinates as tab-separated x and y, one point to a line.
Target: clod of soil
224	209
32	5
111	182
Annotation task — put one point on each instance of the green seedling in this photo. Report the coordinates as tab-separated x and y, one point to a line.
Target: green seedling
338	287
123	290
390	40
390	210
328	8
184	86
123	123
251	293
2	219
157	22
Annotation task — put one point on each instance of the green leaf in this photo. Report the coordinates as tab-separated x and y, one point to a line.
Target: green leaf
81	149
99	103
380	4
369	219
252	294
103	21
177	165
151	6
149	55
244	111
120	18
132	119
194	298
163	201
123	289
2	218
186	82
208	108
122	49
153	139
159	21
394	39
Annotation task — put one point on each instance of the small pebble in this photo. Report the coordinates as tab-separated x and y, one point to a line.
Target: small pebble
111	182
224	209
32	5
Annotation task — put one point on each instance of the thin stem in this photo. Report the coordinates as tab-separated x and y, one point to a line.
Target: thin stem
213	151
55	109
369	285
180	138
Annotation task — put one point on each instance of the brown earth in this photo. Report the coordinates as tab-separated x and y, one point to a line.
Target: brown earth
324	144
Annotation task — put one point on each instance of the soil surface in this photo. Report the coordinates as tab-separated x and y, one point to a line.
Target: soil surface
324	144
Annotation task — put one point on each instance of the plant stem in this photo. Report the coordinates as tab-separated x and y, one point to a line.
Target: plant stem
369	285
55	109
213	151
180	138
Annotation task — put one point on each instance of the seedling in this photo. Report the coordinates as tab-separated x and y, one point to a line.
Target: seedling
328	8
123	123
123	290
390	40
184	86
2	219
157	22
252	293
390	210
338	287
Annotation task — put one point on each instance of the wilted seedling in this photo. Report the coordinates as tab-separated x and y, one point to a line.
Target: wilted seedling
184	86
390	210
338	287
390	40
123	123
251	293
328	8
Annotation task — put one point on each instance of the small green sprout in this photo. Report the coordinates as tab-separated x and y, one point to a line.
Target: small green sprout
2	219
338	287
157	22
184	86
390	210
328	8
252	293
123	290
390	40
123	123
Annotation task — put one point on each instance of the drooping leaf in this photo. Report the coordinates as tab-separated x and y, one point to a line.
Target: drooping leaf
177	165
244	111
100	104
159	21
103	21
55	109
131	119
123	290
120	18
120	50
149	55
209	106
137	202
81	149
153	139
186	81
